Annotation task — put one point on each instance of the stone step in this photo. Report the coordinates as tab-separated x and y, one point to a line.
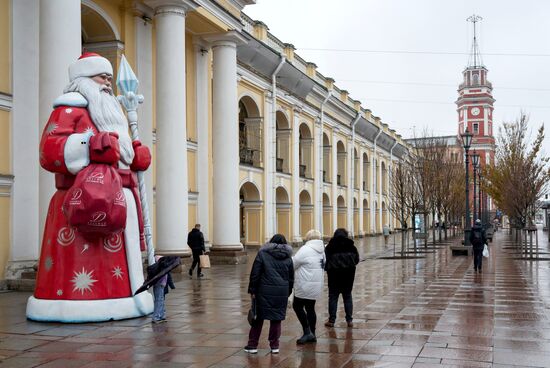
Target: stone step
30	275
21	284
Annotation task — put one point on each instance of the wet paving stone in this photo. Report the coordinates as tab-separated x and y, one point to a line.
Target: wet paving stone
433	311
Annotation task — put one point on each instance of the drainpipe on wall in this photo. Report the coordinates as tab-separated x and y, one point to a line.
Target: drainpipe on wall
374	184
321	162
389	177
273	129
352	176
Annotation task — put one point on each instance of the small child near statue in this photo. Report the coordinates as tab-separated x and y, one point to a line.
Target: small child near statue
160	288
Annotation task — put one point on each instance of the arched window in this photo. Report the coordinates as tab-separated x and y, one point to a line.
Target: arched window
342	163
282	148
250	133
326	159
305	152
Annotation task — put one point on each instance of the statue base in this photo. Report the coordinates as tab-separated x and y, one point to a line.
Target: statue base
220	256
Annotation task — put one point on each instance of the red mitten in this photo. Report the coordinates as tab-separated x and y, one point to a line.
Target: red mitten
104	148
142	157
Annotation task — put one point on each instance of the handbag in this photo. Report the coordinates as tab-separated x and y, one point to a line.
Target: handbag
204	261
252	315
485	251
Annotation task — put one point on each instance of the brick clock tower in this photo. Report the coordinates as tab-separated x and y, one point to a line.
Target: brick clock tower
475	107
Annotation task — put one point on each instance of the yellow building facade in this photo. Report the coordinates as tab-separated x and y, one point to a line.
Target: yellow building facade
248	139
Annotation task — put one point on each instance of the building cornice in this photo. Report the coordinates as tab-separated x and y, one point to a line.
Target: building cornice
6	183
221	13
6	102
97	46
180	7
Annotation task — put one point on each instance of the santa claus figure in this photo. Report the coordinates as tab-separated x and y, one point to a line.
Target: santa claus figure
82	279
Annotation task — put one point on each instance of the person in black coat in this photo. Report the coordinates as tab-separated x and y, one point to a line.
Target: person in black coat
195	240
271	282
342	257
478	240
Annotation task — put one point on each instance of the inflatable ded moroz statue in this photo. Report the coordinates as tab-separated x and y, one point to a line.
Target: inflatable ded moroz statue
90	263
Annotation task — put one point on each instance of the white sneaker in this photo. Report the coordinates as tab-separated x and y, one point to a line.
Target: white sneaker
275	351
251	350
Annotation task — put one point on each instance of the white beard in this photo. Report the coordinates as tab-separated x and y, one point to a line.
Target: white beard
105	112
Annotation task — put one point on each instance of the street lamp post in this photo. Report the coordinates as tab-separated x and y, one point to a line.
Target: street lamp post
480	200
475	163
466	142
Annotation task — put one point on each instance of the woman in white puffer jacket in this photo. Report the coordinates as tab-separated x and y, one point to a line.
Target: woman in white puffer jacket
309	264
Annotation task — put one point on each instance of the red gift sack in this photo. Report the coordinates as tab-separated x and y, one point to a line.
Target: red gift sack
96	205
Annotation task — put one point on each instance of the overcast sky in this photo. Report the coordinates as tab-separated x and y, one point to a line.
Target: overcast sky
416	90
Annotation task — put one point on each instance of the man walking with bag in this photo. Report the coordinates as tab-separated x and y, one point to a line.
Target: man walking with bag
195	240
478	241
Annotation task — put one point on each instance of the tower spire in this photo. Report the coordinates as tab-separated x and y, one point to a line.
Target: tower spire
475	56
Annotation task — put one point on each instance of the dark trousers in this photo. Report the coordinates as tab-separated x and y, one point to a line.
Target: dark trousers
478	258
333	304
256	331
196	262
305	311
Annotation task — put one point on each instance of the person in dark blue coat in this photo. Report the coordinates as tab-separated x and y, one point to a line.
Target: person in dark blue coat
271	282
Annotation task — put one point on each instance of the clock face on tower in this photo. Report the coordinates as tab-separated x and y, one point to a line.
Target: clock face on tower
476	111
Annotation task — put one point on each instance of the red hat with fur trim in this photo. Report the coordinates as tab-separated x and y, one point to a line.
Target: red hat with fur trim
89	64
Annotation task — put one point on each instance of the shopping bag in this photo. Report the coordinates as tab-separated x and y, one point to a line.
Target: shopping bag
204	261
485	251
252	316
96	205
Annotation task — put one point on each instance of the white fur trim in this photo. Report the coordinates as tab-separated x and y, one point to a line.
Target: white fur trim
77	152
89	67
80	311
131	239
73	99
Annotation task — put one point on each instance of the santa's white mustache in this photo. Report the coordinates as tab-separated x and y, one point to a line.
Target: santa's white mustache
106	89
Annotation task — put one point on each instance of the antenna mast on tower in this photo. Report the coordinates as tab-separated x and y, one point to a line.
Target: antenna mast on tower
475	56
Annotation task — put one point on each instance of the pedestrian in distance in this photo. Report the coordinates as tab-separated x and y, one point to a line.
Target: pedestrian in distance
271	282
309	264
341	259
386	233
478	241
195	240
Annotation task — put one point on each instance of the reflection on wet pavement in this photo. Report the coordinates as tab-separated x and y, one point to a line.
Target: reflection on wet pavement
432	311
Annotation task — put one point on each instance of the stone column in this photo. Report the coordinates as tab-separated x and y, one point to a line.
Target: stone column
351	188
144	71
202	58
373	193
318	176
269	166
296	238
334	183
361	230
60	45
226	245
26	234
380	195
171	169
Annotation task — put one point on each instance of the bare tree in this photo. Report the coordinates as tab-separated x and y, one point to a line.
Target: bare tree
426	150
453	204
401	185
520	174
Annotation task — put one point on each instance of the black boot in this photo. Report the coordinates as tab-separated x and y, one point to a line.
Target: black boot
307	337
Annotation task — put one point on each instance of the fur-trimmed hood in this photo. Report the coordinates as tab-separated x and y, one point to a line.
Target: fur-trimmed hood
278	251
